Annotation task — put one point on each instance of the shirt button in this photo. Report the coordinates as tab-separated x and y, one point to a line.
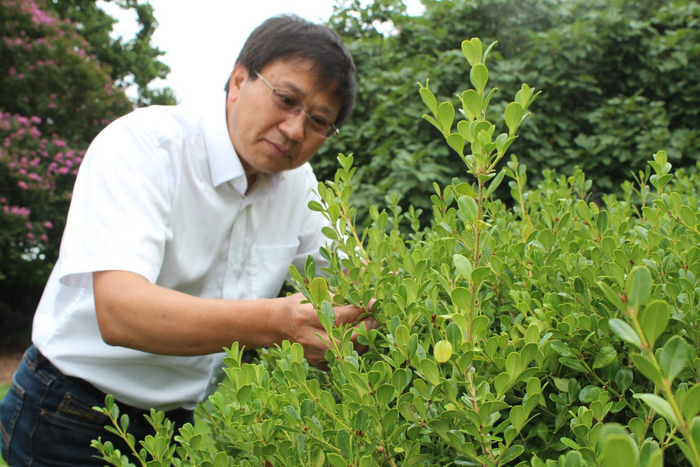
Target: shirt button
213	381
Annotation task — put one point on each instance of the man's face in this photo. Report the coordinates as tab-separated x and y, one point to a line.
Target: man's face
266	138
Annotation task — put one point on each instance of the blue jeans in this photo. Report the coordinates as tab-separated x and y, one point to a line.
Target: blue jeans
46	418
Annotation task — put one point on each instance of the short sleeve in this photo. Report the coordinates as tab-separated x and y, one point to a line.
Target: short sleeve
120	210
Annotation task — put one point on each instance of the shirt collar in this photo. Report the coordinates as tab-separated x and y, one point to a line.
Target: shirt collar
224	164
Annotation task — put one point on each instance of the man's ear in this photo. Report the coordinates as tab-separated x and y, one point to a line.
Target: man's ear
239	76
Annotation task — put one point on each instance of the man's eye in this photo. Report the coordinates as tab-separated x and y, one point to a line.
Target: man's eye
285	101
319	122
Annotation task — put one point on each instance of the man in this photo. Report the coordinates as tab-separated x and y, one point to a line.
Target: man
180	233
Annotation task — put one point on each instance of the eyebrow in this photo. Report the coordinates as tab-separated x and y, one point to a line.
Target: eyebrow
290	86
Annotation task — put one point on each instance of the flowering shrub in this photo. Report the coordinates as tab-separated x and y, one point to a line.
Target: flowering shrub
557	332
48	71
39	173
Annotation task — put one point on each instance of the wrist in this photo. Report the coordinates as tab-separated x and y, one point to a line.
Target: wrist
277	320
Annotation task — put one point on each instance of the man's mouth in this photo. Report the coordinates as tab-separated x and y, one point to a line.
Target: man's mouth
281	150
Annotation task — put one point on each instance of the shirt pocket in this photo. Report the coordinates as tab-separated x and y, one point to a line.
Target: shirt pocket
270	268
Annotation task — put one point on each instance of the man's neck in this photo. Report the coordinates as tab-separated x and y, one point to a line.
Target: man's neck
251	182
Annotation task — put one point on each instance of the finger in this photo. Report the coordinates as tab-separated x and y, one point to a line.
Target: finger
348	314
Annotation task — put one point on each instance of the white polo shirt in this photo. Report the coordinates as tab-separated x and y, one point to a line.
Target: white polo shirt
161	192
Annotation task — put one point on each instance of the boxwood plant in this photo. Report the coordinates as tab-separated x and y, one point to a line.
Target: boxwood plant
543	330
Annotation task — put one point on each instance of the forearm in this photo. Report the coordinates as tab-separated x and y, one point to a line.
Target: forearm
134	313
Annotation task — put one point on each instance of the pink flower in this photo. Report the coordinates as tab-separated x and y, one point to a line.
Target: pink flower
44	238
23	185
48	224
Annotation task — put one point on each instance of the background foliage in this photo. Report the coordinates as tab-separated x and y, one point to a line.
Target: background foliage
620	79
63	80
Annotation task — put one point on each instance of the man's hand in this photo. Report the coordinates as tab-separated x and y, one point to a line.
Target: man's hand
303	326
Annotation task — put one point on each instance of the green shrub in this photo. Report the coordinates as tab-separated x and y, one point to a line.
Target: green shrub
558	332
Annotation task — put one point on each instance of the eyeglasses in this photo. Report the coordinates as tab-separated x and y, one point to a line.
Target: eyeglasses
289	103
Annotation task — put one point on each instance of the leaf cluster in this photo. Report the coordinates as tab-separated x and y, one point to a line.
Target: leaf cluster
553	332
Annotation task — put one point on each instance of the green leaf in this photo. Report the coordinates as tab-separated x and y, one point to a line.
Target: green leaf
329	313
513	115
461	298
518	417
584	211
463	265
573	459
659	405
495	183
315	206
619	450
473	103
691	407
446	115
673	356
659	429
468	208
638	286
480	274
654	320
344	443
695	431
688	216
472	51
221	460
605	357
650	455
612	296
429	99
479	324
435	123
623	379
647	368
479	76
456	142
336	460
624	331
573	364
318	289
511	453
454	335
443	351
430	371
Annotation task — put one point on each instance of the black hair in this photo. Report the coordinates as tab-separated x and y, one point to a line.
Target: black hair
287	37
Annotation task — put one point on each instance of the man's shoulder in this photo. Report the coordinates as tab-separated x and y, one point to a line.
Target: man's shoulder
161	121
